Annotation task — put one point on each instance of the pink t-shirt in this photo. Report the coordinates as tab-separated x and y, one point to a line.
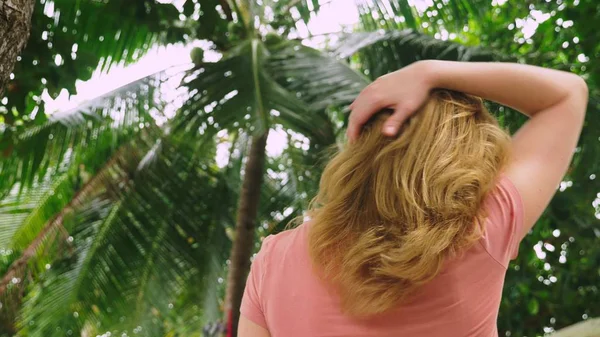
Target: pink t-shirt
284	295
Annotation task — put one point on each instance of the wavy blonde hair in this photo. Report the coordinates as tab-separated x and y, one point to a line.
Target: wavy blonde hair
390	211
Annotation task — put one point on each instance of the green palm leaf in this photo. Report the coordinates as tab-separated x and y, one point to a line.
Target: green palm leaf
86	135
23	216
237	92
76	156
116	31
282	9
316	78
143	256
427	17
59	289
381	52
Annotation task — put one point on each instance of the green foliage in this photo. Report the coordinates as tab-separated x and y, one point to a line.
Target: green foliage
54	167
378	52
30	152
70	39
210	25
239	92
561	275
236	30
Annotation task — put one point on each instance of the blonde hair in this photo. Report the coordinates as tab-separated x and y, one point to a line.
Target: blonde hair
391	210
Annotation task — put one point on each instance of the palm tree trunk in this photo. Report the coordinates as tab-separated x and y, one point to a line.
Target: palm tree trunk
15	26
243	243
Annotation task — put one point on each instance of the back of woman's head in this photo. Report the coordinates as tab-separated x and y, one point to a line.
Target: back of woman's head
390	211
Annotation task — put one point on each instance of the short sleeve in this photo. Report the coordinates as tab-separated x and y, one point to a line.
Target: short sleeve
504	225
252	306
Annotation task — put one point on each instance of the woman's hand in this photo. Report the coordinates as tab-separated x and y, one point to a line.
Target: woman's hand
403	91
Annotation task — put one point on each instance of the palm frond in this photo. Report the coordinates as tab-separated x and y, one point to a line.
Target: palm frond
39	235
424	17
381	52
23	216
321	80
86	135
61	284
36	231
292	180
239	92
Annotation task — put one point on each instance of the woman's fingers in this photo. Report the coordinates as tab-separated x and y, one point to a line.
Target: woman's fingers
404	91
358	117
368	102
393	123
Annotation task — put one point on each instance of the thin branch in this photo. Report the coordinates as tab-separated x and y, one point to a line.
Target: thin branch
315	35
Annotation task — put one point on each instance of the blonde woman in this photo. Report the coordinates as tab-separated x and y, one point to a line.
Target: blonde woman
418	217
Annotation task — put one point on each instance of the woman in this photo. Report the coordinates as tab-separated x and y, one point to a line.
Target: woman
413	229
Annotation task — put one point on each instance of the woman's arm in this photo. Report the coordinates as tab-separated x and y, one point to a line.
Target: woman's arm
528	89
542	148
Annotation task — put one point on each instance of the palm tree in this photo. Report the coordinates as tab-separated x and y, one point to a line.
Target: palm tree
240	91
94	152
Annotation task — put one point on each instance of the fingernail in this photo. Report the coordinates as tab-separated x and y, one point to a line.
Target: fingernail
390	130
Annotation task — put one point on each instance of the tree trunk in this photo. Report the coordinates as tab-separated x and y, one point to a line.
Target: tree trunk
15	26
243	243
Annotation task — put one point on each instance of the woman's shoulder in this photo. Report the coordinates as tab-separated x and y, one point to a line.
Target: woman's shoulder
290	243
285	238
504	212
